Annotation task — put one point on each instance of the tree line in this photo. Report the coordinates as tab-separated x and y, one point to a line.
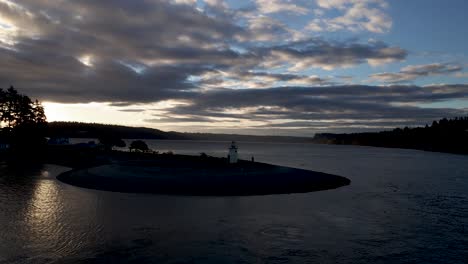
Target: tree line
444	135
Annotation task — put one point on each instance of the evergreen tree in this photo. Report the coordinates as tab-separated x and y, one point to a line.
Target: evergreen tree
22	121
18	109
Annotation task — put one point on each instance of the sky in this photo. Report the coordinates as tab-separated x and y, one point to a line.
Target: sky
267	67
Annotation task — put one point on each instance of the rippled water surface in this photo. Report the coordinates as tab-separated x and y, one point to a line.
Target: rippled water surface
403	206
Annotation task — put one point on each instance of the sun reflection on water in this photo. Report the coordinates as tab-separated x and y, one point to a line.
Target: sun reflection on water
58	220
44	207
44	217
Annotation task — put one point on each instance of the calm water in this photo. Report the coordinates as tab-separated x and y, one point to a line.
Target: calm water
403	206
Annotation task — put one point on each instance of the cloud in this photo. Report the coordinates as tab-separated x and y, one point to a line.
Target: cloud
412	72
344	124
132	110
256	79
461	74
276	6
211	57
82	51
359	104
80	58
355	15
185	119
185	2
267	29
130	28
316	53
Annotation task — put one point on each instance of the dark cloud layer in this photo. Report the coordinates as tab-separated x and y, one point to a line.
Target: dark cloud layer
142	51
361	104
133	52
329	55
410	73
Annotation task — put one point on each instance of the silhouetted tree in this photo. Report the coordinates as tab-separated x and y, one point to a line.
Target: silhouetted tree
138	145
17	109
23	121
109	141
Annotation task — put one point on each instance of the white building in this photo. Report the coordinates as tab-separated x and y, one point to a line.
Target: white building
232	157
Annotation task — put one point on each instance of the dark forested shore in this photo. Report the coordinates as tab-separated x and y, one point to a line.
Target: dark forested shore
445	135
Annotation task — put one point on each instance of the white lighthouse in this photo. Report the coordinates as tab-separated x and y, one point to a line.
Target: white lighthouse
232	157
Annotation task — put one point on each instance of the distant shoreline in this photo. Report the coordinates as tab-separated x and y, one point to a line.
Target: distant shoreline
91	130
445	135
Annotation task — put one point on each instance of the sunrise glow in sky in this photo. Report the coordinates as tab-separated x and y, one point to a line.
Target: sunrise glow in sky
255	67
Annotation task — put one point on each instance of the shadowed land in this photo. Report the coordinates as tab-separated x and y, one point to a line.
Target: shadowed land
192	175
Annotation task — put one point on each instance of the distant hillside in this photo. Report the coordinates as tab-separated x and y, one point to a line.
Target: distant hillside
443	136
92	130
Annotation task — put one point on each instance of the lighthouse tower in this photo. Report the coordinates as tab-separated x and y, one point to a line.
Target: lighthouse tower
232	157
